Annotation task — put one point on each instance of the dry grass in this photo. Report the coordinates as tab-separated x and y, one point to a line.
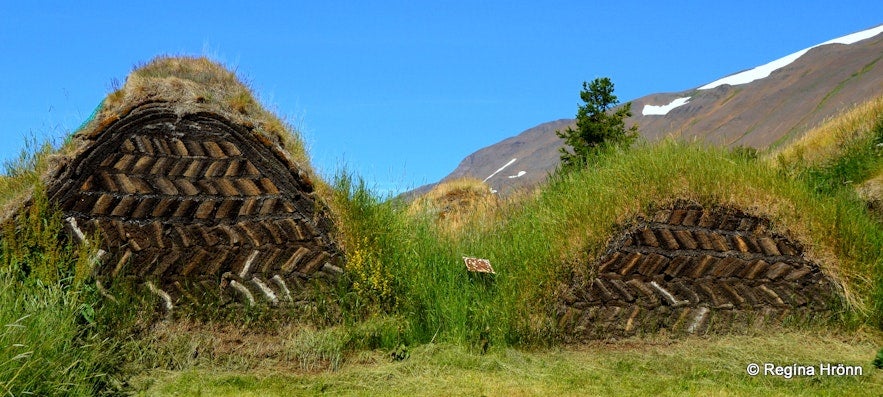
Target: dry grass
22	176
827	141
200	83
188	84
841	158
454	204
872	192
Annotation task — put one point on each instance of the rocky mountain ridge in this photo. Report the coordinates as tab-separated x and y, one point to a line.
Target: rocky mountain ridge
765	107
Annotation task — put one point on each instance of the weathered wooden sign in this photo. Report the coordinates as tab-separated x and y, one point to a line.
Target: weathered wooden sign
478	265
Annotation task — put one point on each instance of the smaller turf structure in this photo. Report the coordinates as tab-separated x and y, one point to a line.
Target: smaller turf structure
696	270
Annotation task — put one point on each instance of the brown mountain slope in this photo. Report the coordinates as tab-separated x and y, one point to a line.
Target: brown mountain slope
764	113
773	110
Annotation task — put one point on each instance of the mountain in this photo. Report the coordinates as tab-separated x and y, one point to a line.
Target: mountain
764	107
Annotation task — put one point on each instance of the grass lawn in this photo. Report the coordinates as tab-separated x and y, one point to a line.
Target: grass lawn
714	365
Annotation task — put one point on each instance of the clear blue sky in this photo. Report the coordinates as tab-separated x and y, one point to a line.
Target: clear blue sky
401	91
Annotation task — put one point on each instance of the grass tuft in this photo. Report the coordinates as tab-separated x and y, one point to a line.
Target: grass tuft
51	342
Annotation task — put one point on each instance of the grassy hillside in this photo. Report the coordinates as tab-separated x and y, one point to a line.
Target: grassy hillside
414	322
407	309
541	239
844	153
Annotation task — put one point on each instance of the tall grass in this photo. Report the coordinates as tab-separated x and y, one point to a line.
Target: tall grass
829	140
832	160
42	349
405	281
47	342
57	334
537	244
859	159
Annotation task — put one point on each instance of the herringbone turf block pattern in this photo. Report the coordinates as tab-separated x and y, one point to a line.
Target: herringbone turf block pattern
695	270
194	201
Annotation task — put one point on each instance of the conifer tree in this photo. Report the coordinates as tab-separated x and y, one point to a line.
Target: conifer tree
597	126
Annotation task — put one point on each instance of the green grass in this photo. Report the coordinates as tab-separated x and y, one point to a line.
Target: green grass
406	292
49	340
58	335
407	288
859	160
536	244
45	348
692	366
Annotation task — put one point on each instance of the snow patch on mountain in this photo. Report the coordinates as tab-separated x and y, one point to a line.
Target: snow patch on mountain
498	171
654	110
765	70
519	175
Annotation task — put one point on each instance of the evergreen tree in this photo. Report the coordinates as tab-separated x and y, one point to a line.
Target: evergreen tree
597	127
